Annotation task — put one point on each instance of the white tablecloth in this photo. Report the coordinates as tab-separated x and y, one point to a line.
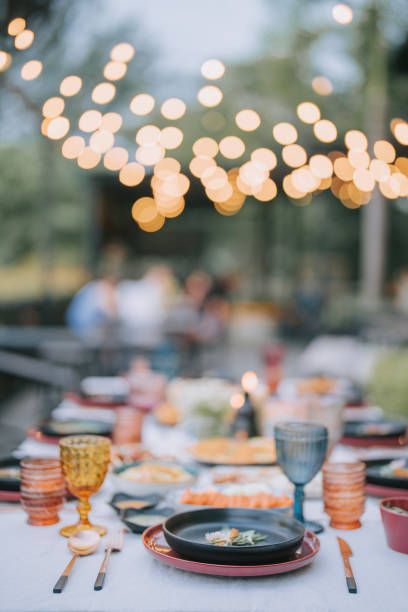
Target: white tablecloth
32	559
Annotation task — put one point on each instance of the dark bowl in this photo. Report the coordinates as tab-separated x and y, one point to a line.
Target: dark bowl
375	477
185	533
58	429
395	525
140	518
151	500
374	429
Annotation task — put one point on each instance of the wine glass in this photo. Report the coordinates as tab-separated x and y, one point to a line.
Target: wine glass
301	450
85	461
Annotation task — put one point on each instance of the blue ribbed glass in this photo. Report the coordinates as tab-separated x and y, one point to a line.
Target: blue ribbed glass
301	450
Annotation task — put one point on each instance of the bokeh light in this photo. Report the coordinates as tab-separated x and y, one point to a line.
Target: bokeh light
73	147
265	158
342	13
24	40
304	180
166	167
5	60
384	150
308	112
199	164
122	52
212	69
248	120
210	95
148	135
132	174
355	139
115	159
58	128
90	121
249	381
290	189
401	133
103	93
294	155
358	158
205	146
70	86
114	71
101	141
322	86
325	130
267	192
111	122
321	166
173	108
237	400
53	107
171	137
214	178
31	70
16	26
232	147
343	169
284	133
380	170
150	154
142	104
363	179
88	159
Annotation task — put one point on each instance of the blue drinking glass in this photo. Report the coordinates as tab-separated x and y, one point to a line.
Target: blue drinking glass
301	450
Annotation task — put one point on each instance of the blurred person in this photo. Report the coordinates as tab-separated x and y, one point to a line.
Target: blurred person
143	305
93	309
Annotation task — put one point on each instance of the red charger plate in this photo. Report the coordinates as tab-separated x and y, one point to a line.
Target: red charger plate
10	496
379	491
155	543
374	441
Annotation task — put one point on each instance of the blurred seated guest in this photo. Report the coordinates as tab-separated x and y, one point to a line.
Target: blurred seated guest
401	291
143	304
93	310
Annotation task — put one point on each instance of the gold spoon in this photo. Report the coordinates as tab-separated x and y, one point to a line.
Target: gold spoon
80	544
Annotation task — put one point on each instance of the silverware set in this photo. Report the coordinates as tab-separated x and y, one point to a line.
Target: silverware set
114	543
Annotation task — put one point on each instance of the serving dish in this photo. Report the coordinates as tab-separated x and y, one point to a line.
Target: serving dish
187	534
132	487
228	451
374	429
156	545
121	502
51	431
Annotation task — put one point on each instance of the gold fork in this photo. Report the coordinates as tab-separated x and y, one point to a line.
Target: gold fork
113	544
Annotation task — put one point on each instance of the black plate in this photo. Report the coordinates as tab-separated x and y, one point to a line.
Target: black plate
152	500
367	429
6	483
374	476
137	527
185	533
57	429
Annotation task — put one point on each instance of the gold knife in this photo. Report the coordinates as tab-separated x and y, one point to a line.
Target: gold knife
346	552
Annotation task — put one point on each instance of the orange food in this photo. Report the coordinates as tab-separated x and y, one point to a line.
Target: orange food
213	498
167	414
319	385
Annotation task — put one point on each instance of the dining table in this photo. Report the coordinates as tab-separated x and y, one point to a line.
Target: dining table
32	559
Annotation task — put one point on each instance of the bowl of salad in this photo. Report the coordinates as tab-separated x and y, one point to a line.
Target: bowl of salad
394	514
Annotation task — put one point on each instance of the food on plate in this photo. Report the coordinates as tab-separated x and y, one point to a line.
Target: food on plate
235	452
132	503
233	537
218	499
126	453
10	473
398	468
167	413
317	385
398	510
156	472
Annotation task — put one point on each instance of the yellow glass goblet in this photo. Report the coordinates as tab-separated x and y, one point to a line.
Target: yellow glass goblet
85	461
